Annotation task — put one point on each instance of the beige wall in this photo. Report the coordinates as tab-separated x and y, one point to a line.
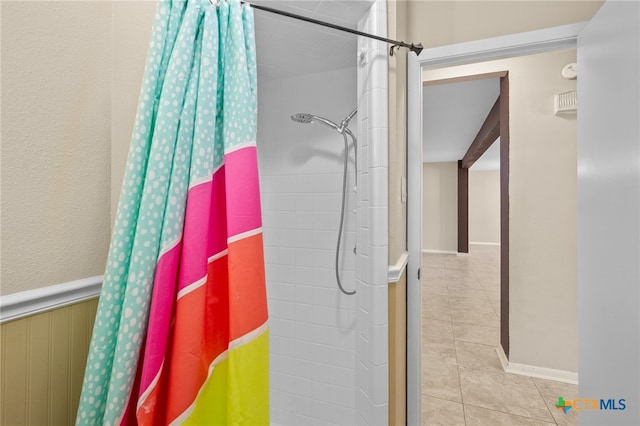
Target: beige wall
484	206
440	206
42	360
71	75
397	133
56	84
439	23
132	22
543	209
68	68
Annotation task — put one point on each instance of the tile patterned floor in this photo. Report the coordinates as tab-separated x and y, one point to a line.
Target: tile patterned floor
462	380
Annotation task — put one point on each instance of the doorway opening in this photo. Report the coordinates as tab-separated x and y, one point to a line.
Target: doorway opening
463	117
477	53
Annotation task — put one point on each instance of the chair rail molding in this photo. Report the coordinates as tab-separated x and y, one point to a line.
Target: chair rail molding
396	271
31	302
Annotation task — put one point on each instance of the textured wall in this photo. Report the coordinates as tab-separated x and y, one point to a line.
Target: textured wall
439	23
397	134
542	209
440	206
56	70
132	22
484	206
42	360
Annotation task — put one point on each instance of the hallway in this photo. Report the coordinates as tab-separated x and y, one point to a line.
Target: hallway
463	382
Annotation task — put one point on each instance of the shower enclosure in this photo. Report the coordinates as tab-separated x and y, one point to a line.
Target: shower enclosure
312	323
328	350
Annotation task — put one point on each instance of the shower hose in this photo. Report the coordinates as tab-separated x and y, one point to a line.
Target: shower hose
344	198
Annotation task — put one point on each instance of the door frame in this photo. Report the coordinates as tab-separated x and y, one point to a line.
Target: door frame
539	41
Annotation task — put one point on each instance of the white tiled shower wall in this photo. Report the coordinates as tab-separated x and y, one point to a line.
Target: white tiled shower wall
312	324
329	351
372	348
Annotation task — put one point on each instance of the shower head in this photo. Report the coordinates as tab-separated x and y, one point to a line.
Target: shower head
302	117
305	118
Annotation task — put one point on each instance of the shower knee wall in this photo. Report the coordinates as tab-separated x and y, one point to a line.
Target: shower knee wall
312	325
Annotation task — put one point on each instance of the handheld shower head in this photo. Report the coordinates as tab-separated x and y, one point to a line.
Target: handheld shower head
302	117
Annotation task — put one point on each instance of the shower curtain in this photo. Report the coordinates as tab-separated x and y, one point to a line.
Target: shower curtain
181	329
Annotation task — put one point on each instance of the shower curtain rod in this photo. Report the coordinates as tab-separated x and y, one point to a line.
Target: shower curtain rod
416	48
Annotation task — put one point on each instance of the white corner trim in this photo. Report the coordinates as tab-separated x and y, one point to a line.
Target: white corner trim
533	371
396	271
31	302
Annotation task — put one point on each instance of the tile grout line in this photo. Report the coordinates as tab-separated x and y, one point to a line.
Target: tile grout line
510	414
464	413
464	417
451	321
485	292
544	401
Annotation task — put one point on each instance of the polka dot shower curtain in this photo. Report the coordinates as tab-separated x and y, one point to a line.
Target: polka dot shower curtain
181	330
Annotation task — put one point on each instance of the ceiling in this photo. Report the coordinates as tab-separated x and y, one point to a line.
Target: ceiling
287	47
453	115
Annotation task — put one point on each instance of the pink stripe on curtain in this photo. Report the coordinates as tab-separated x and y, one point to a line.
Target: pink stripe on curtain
243	192
163	298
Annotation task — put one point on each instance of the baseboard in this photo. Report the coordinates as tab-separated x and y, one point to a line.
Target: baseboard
533	371
439	251
504	361
31	302
478	243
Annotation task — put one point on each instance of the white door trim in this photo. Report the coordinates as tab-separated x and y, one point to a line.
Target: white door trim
548	39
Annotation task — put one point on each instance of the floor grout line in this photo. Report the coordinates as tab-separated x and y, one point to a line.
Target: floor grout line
455	349
460	289
510	414
544	401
